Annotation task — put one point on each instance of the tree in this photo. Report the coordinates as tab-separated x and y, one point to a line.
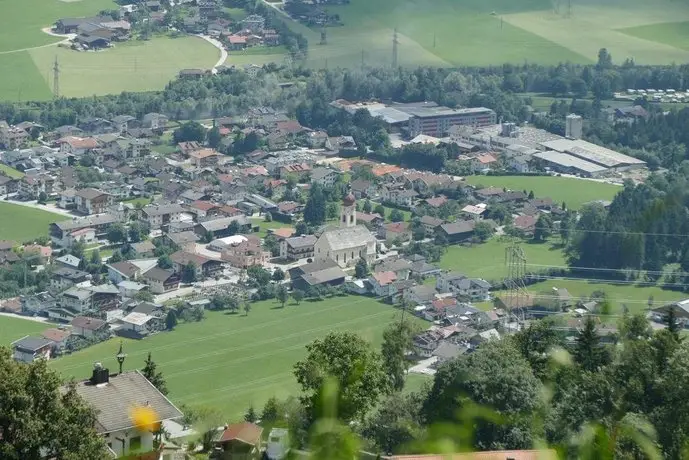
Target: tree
361	269
271	411
380	210
250	415
189	273
302	228
397	343
150	371
278	274
395	424
271	243
282	295
116	233
164	261
566	224
188	132
268	217
314	211
588	351
535	343
544	227
351	362
367	206
94	258
498	379
144	296
247	307
483	231
78	249
39	420
396	215
604	59
171	320
297	295
214	137
42	198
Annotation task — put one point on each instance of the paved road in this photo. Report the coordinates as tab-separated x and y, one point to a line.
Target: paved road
38	319
43	207
217	44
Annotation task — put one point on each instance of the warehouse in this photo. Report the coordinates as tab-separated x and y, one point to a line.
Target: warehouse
568	164
594	154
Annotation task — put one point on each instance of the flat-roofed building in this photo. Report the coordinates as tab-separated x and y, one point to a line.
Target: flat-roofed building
436	121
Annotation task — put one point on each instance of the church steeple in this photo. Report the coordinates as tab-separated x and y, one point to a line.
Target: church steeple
348	213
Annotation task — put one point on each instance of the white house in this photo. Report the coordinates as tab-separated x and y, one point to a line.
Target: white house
136	322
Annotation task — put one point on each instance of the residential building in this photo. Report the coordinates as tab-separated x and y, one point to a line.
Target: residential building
77	146
241	441
59	337
457	231
317	274
474	211
8	185
112	398
205	267
298	247
399	196
462	286
12	137
246	253
77	300
395	231
122	271
88	327
64	278
161	281
204	158
324	176
157	216
131	149
92	201
383	283
363	188
28	349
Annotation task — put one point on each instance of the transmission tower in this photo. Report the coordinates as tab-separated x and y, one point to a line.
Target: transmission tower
56	78
517	295
395	42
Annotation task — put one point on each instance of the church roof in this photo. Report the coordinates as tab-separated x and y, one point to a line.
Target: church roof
348	237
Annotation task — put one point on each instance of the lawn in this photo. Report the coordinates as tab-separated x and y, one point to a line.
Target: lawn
574	192
21	21
130	66
671	33
487	260
11	172
633	296
21	79
21	223
233	361
265	226
12	329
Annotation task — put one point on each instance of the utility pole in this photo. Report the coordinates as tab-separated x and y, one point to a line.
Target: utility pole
395	42
56	78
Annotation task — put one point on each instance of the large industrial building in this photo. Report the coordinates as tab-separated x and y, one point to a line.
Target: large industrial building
560	154
421	117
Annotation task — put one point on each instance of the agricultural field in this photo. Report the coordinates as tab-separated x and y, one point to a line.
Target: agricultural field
231	361
11	172
473	32
487	260
574	192
12	329
21	223
130	66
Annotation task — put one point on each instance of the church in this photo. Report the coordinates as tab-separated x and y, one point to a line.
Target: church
349	243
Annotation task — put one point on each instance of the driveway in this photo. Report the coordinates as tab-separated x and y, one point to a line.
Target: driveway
217	44
424	367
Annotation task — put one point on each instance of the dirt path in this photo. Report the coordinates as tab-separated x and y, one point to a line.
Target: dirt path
65	39
217	44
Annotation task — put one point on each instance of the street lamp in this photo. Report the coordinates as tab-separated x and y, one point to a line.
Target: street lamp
121	355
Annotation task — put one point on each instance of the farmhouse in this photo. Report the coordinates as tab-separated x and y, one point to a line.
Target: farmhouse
298	247
316	274
161	281
28	349
92	201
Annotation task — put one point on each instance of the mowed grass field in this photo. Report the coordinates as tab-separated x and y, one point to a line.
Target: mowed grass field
130	66
475	32
21	223
573	192
12	329
487	260
233	361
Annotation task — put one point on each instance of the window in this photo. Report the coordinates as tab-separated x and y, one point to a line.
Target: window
135	443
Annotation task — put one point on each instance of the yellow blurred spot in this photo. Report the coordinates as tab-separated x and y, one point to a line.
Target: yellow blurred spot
144	418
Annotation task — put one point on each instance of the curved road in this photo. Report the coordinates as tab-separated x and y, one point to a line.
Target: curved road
217	44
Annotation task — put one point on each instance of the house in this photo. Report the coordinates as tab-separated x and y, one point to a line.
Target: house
88	327
457	231
241	441
298	170
112	398
28	349
483	162
8	185
77	146
372	221
462	286
92	201
419	295
245	254
130	288
431	224
143	249
64	277
59	337
525	223
12	137
157	216
122	271
183	240
140	324
204	158
399	196
298	247
383	283
205	267
38	303
154	121
76	300
160	280
363	188
474	211
400	267
395	231
204	208
223	226
324	176
316	274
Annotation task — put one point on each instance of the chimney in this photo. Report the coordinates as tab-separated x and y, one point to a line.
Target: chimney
100	374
